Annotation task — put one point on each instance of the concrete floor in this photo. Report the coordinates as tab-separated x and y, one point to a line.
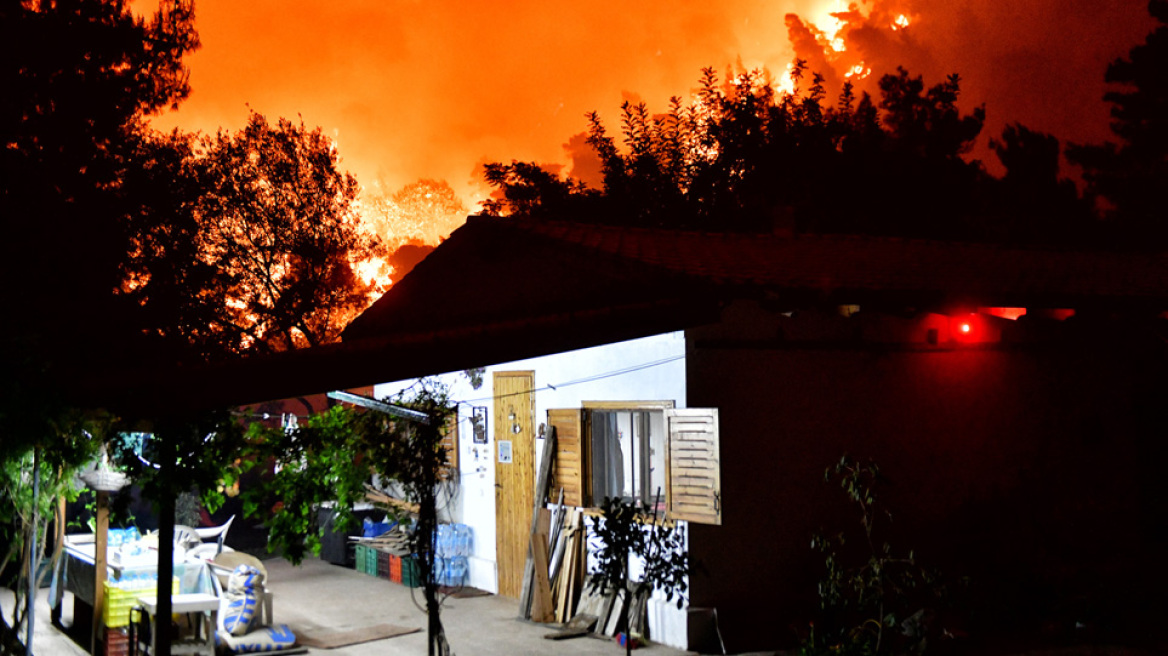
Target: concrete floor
317	596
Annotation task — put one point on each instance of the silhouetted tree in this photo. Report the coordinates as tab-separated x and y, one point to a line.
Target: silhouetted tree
740	154
78	76
180	294
1033	202
528	188
244	240
1130	176
277	220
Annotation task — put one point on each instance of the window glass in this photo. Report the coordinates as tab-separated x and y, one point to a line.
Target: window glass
628	454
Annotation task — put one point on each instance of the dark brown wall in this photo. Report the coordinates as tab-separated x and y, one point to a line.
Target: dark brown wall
1032	468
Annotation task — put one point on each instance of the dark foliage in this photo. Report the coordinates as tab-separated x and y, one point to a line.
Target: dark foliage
1130	176
873	599
630	529
244	241
742	157
78	76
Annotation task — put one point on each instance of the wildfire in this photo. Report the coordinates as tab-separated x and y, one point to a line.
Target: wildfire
375	272
830	23
858	71
786	83
823	34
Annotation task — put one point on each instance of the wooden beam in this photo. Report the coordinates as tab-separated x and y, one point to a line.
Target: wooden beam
541	605
545	468
99	565
375	497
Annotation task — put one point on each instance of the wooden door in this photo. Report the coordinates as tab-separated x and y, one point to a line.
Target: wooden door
514	475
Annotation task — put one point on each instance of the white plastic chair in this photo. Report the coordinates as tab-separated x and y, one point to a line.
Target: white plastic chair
217	533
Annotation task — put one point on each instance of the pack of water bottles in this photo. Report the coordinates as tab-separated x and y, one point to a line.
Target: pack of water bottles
453	545
138	580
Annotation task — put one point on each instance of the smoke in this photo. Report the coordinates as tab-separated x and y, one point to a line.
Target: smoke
1040	63
412	89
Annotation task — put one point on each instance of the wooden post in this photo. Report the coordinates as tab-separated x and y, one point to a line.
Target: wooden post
542	609
99	566
34	558
161	634
58	553
541	487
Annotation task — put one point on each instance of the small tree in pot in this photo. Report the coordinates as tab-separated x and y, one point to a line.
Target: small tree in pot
630	528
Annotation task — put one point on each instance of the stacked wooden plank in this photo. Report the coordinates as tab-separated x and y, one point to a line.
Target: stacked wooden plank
568	565
530	584
394	541
560	554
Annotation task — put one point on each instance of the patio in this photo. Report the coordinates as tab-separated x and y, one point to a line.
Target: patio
318	597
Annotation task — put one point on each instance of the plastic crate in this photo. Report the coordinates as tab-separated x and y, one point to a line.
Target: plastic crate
118	602
366	558
395	568
371	562
383	568
359	557
117	642
411	573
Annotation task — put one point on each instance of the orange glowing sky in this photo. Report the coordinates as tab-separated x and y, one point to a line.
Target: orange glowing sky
412	89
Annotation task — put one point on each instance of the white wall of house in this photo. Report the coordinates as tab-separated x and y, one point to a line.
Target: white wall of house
646	369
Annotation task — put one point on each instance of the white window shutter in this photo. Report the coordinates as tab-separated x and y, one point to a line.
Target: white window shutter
694	483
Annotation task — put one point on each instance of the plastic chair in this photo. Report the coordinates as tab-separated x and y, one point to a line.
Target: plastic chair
218	533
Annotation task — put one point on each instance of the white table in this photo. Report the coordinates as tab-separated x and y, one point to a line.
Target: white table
205	606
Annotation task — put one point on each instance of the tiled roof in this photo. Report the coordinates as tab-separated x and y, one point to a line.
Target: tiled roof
831	263
507	289
505	269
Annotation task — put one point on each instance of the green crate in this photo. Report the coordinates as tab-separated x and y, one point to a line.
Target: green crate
366	558
411	573
359	557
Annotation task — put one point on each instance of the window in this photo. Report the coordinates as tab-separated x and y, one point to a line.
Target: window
627	452
634	449
450	446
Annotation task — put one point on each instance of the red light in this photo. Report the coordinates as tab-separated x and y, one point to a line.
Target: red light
965	328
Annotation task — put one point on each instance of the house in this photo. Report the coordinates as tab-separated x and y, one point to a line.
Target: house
1013	397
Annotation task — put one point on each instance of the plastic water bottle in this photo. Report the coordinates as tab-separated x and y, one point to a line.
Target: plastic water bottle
457	571
465	543
447	543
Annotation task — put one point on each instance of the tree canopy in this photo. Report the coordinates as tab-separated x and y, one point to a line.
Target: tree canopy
278	220
1129	177
79	76
741	156
244	241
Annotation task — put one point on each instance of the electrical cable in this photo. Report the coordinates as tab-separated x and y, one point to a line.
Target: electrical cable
580	381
